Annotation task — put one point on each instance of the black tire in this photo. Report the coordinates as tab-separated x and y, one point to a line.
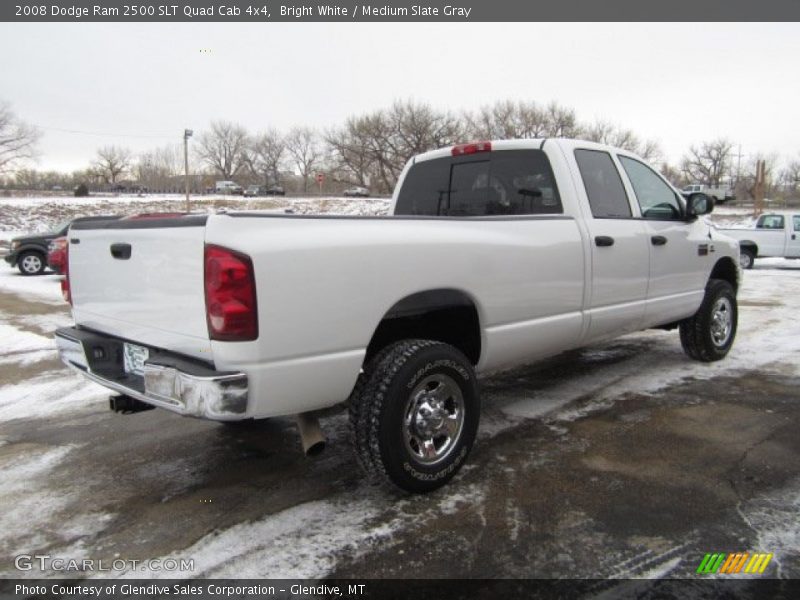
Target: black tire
746	258
705	336
389	404
31	263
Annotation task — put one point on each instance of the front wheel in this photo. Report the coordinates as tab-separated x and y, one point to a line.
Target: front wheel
746	258
31	263
708	335
414	414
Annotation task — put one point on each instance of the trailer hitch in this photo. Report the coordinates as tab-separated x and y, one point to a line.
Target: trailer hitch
127	405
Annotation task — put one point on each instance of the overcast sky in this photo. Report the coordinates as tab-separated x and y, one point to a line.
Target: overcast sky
143	83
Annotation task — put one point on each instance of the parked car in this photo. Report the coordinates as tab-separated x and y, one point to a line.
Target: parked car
775	235
274	190
720	194
498	254
29	252
228	187
253	190
356	191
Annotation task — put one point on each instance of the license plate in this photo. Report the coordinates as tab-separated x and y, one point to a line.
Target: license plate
133	358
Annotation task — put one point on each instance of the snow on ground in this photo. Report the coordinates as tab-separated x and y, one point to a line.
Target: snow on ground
23	215
310	535
25	494
42	288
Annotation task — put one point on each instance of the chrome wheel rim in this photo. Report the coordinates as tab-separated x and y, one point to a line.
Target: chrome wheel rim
721	321
744	260
434	419
31	263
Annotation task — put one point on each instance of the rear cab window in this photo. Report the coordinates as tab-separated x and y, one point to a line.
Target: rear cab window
603	184
498	183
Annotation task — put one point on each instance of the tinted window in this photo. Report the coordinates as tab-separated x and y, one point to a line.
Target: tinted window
514	182
425	188
770	222
796	220
603	184
470	193
656	198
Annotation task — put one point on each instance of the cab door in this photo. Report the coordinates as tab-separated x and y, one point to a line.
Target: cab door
619	250
681	251
793	241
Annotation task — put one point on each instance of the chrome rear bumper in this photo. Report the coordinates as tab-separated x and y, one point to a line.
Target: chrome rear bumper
169	381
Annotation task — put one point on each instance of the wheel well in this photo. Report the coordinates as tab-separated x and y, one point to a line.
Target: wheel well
752	246
726	270
445	315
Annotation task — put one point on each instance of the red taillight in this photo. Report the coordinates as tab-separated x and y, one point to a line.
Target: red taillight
230	295
65	289
472	148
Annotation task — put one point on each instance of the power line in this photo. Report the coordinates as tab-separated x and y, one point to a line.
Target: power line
106	134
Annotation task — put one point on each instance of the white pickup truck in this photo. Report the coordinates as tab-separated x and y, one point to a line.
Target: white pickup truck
775	235
720	194
495	254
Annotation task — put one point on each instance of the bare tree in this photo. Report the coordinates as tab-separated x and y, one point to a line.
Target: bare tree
674	175
790	179
605	132
267	155
708	162
224	148
304	151
18	140
158	168
111	163
349	152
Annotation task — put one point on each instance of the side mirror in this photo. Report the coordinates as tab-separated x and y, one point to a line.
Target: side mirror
698	204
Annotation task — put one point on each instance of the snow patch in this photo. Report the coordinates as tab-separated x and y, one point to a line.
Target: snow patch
302	542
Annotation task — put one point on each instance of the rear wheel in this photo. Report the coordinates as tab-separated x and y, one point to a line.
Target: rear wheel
709	334
746	258
414	414
31	263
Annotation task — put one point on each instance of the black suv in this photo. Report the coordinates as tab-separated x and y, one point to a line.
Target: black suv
29	252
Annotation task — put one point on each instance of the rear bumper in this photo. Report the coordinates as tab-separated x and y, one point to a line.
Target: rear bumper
170	381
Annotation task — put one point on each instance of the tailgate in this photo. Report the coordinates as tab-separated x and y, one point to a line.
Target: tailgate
142	280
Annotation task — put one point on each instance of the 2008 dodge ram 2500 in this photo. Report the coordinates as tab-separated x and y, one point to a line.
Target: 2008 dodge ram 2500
496	253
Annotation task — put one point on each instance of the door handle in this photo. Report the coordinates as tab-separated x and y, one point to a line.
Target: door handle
121	251
603	240
658	240
794	236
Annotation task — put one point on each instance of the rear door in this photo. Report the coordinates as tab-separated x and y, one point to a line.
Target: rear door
619	249
142	280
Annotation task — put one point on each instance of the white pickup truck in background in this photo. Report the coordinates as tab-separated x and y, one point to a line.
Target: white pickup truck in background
495	254
775	235
720	194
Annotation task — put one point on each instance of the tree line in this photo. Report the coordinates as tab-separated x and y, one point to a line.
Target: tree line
368	150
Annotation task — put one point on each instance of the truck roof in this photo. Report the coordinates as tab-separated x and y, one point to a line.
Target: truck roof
525	144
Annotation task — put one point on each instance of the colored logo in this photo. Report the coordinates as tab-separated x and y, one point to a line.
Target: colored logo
731	564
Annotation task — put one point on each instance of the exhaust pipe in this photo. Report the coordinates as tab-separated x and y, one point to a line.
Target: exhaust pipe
310	434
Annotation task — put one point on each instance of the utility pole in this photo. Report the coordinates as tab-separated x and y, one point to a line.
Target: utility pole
759	188
187	133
